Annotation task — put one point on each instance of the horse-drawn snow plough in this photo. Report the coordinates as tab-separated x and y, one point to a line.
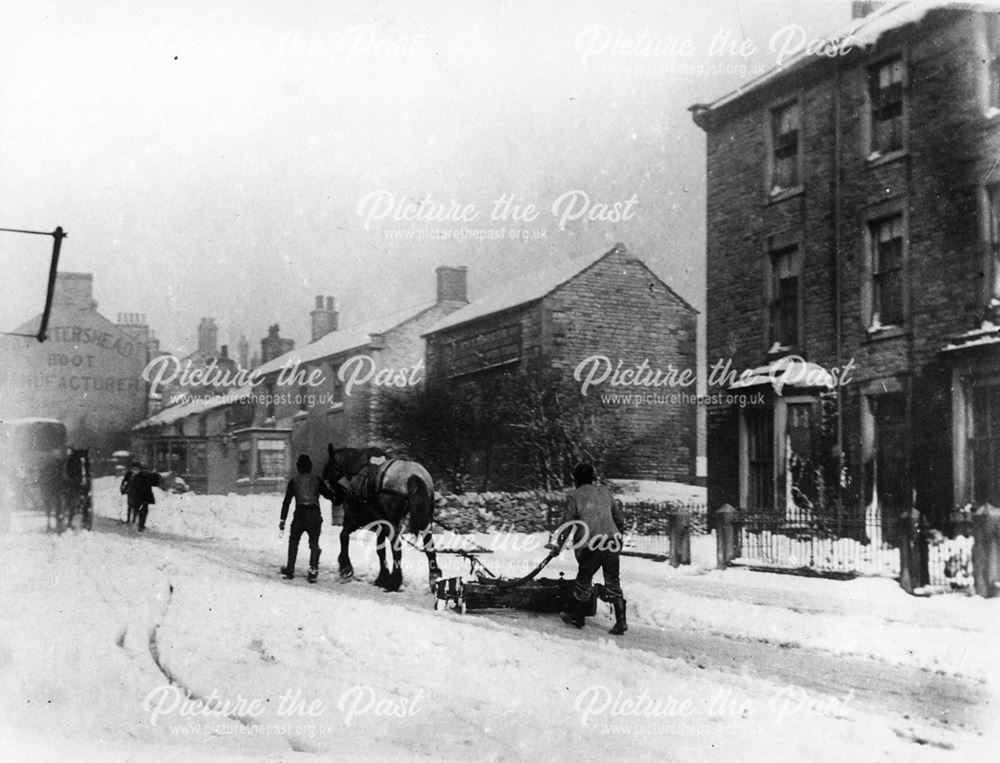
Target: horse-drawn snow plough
484	590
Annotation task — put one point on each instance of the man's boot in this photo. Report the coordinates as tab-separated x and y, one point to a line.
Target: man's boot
314	563
575	615
288	571
620	625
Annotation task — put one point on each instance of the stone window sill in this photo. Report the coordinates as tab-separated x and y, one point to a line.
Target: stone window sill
776	196
885	332
875	159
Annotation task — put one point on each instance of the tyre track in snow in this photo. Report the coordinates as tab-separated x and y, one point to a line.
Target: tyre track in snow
151	627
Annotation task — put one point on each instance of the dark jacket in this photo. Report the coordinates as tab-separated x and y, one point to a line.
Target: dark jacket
140	487
306	490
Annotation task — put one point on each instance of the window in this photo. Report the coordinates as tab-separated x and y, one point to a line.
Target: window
784	300
760	459
198	459
991	266
803	487
303	398
785	147
887	304
991	62
885	92
799	429
891	470
269	389
487	349
171	456
271	461
243	459
338	389
984	444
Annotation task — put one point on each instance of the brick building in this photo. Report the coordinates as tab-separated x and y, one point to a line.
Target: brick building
853	206
599	317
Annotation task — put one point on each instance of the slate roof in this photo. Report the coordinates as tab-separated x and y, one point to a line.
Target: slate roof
531	286
864	33
345	339
179	411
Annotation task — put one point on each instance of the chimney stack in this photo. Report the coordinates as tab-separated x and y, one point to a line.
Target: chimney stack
208	336
244	350
324	319
74	291
134	324
273	346
451	284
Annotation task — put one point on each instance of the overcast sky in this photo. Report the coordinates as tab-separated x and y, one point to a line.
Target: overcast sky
216	158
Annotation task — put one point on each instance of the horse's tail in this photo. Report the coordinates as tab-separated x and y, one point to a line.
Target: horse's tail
421	504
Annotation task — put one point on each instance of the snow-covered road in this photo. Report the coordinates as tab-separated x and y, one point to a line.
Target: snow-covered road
104	633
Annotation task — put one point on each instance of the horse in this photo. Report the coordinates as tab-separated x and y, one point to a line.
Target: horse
378	497
64	489
51	492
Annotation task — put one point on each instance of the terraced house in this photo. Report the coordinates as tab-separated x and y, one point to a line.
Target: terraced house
854	221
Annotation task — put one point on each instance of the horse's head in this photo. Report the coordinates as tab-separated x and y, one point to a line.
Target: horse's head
334	468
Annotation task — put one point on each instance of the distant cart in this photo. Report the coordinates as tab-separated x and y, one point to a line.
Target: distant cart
38	472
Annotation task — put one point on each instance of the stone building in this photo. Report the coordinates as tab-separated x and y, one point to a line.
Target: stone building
327	391
853	205
88	372
605	326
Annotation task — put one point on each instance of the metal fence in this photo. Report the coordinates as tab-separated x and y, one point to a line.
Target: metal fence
800	540
649	526
949	563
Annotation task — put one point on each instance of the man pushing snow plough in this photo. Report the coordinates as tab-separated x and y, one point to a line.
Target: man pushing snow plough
593	518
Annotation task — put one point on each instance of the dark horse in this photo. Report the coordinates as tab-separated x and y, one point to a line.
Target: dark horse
64	486
378	497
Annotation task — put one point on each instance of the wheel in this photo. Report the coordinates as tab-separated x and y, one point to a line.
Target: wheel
440	604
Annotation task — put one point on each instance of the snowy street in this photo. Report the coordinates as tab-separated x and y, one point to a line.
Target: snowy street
106	632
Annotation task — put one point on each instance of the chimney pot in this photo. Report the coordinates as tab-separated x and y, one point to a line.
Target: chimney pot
324	320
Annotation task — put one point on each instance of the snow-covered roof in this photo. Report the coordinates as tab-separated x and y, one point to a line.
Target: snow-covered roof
199	405
988	333
860	33
788	371
519	291
32	420
344	339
